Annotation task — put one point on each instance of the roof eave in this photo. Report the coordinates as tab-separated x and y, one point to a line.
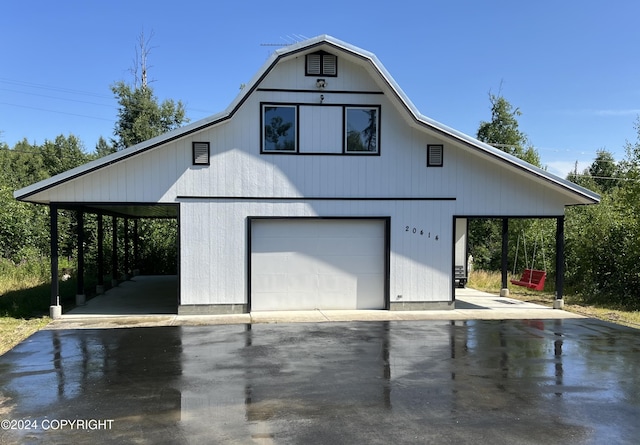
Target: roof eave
585	196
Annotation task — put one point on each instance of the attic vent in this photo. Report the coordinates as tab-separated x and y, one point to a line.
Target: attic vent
321	64
201	153
329	65
314	64
435	155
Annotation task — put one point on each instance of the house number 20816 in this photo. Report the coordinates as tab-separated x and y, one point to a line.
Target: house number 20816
416	231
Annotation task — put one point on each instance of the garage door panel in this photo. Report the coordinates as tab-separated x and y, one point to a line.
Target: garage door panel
353	263
302	282
337	283
367	288
270	264
323	264
271	282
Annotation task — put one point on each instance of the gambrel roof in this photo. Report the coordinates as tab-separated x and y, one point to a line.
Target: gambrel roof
574	194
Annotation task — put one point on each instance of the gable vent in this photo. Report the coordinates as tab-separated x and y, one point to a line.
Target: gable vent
329	65
321	64
435	155
314	64
201	153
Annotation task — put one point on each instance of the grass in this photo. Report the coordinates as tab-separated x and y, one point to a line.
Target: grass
15	330
24	300
25	297
491	282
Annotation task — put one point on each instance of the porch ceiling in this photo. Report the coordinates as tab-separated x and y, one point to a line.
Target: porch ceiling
134	210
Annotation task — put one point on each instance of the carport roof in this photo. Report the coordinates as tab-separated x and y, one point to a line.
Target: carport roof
580	195
132	210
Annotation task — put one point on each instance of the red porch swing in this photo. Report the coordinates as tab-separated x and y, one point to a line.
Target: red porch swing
531	278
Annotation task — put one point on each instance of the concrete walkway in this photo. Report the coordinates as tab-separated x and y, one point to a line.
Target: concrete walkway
152	301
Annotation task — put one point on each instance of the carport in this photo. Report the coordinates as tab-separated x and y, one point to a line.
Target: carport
461	251
126	216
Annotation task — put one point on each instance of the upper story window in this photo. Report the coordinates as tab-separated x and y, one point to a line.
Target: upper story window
279	128
362	129
321	64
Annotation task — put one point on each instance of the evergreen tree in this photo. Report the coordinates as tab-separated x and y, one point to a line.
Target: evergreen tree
502	131
140	115
103	148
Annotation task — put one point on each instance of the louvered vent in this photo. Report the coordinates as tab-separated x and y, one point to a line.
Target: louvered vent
329	65
321	64
201	153
314	64
434	155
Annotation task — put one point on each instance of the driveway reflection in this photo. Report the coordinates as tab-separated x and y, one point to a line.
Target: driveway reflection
574	381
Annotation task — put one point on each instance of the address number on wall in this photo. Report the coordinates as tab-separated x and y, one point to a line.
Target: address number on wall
417	231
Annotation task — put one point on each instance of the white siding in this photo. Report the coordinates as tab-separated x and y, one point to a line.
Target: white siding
320	129
213	245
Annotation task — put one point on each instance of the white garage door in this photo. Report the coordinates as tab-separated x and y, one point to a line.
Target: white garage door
305	264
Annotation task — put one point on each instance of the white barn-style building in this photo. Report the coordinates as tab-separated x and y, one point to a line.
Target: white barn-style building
321	186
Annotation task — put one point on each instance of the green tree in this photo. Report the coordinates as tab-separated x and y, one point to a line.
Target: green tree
63	154
22	165
603	241
503	131
103	148
141	117
603	175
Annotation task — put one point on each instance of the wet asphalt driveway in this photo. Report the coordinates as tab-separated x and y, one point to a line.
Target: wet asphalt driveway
482	381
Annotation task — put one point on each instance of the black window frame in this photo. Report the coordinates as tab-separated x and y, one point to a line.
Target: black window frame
296	138
345	134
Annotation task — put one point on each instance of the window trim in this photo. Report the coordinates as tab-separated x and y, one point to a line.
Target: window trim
345	136
322	55
430	161
195	157
296	138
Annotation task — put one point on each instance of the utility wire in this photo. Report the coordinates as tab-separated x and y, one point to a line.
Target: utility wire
54	111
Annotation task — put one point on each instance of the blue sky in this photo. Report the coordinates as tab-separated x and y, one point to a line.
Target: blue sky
572	67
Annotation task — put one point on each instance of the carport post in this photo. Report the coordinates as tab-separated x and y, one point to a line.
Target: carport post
114	251
504	291
100	285
55	310
559	302
80	297
136	250
126	249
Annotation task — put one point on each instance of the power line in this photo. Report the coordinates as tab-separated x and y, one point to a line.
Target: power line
54	111
58	98
53	88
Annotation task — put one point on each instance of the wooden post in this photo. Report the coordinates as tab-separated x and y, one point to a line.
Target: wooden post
100	285
504	291
559	302
127	267
136	248
80	296
55	309
114	251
